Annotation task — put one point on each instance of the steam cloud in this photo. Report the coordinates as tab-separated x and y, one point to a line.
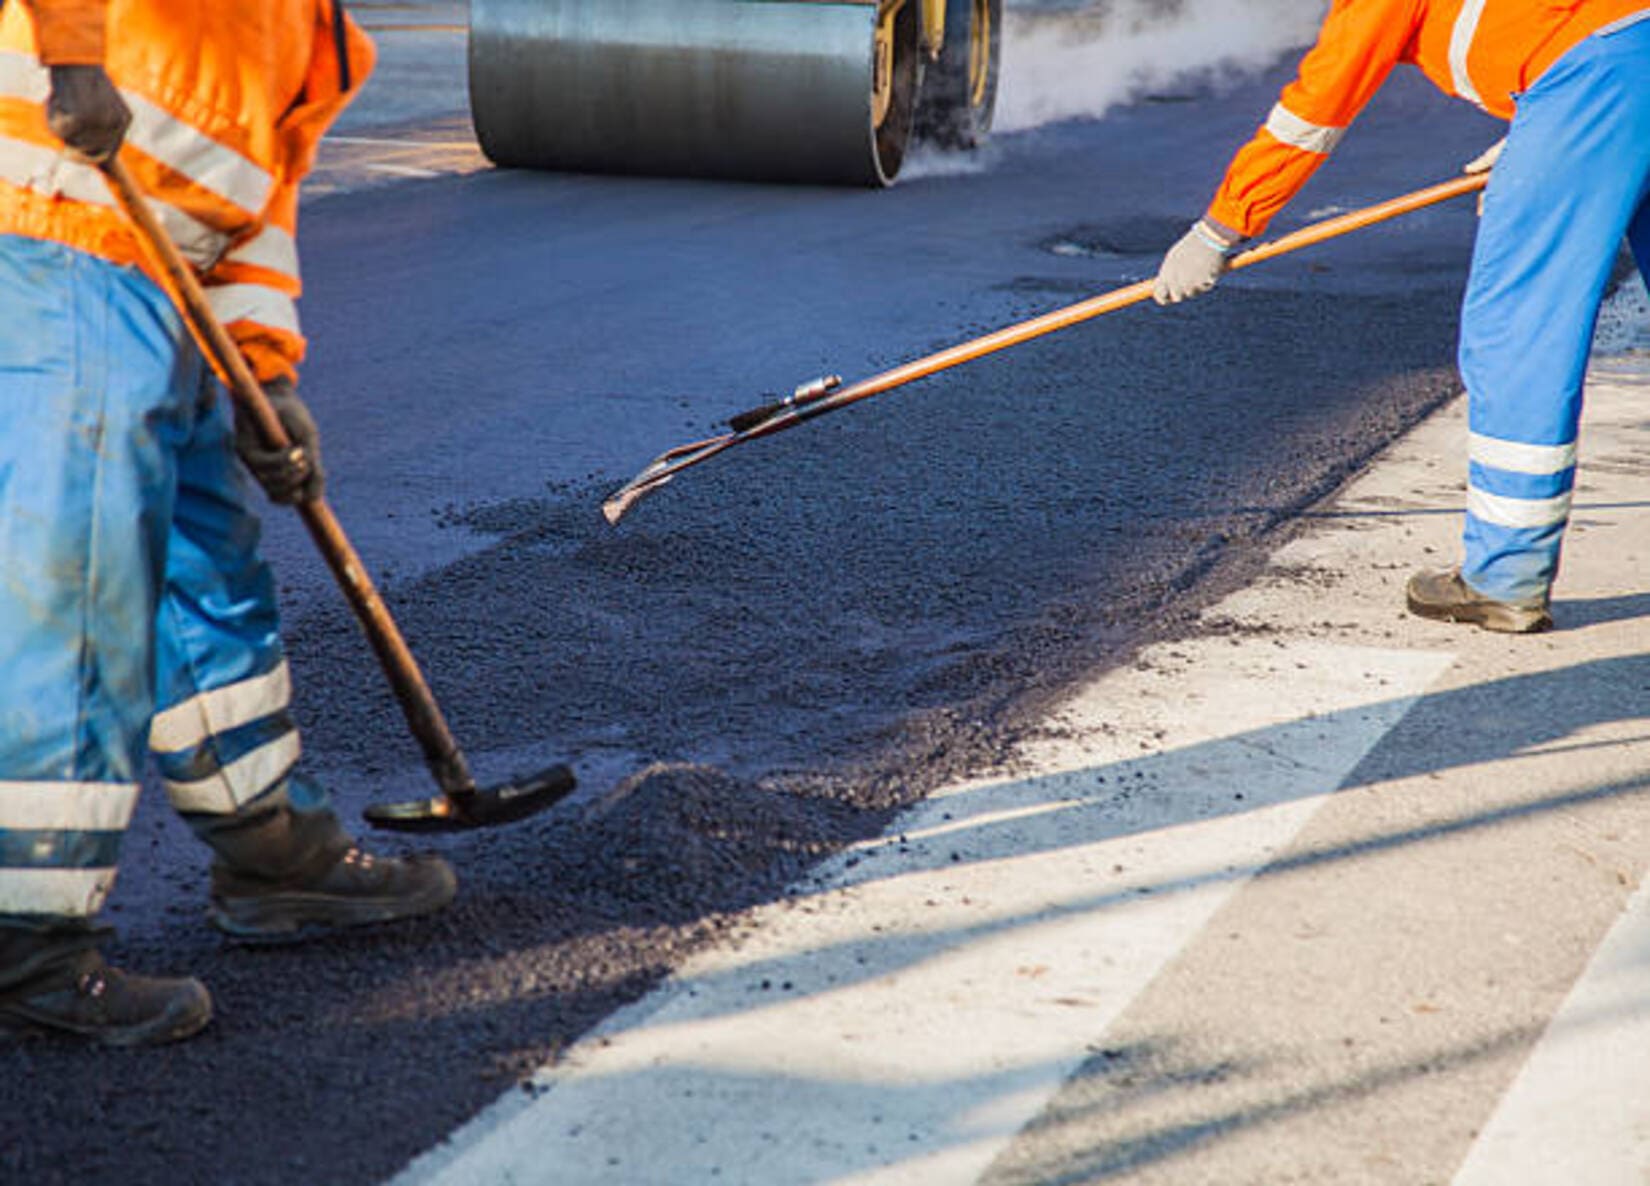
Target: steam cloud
1062	62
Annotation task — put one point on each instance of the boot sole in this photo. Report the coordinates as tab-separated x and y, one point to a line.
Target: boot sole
287	916
1503	619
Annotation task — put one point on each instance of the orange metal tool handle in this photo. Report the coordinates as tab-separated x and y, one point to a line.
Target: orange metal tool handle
1357	220
775	418
1025	331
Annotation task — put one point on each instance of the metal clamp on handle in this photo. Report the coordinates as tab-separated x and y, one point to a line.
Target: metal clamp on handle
807	393
813	389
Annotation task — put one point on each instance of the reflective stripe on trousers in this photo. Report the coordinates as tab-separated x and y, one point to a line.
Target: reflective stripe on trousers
1573	179
134	585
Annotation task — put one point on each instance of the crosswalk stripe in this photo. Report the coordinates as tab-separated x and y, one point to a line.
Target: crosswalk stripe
1579	1110
910	1011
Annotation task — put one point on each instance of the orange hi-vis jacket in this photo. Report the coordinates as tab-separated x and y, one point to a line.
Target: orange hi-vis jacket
229	100
1485	51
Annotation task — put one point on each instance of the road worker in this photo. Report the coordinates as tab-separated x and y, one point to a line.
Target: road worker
136	615
1572	178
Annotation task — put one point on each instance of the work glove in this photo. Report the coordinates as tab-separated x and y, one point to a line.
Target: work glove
1483	163
1193	264
86	112
287	475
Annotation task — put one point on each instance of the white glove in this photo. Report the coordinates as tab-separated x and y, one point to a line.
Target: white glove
1483	163
1193	264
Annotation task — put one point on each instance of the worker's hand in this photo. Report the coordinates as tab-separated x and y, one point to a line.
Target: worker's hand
1485	161
86	112
287	475
1193	264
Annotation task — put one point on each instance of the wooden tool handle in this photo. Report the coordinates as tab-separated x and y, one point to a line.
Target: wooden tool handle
418	703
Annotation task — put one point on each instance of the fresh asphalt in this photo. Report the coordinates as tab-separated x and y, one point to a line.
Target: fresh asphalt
768	656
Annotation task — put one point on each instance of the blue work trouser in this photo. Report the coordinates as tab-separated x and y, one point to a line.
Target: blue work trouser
134	610
1573	179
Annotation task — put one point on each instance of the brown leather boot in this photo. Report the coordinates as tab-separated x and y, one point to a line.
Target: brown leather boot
1443	595
88	999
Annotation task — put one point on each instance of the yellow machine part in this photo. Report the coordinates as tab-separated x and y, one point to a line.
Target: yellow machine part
933	27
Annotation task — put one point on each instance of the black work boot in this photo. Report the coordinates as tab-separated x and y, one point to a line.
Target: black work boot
281	871
355	889
1443	595
59	984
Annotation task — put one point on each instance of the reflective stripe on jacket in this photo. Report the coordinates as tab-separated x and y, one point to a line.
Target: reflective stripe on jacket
229	101
1485	51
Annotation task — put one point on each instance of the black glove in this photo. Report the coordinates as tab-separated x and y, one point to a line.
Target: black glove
86	112
287	475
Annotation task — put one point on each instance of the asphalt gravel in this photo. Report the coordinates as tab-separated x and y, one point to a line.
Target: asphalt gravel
765	660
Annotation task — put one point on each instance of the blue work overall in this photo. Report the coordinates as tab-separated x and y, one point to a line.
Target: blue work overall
1573	179
135	612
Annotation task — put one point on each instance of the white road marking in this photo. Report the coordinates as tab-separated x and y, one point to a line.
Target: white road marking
903	1019
1579	1110
385	142
401	170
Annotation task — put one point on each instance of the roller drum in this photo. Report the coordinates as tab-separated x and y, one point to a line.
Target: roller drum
764	89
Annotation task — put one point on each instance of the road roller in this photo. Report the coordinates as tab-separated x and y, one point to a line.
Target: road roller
816	91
